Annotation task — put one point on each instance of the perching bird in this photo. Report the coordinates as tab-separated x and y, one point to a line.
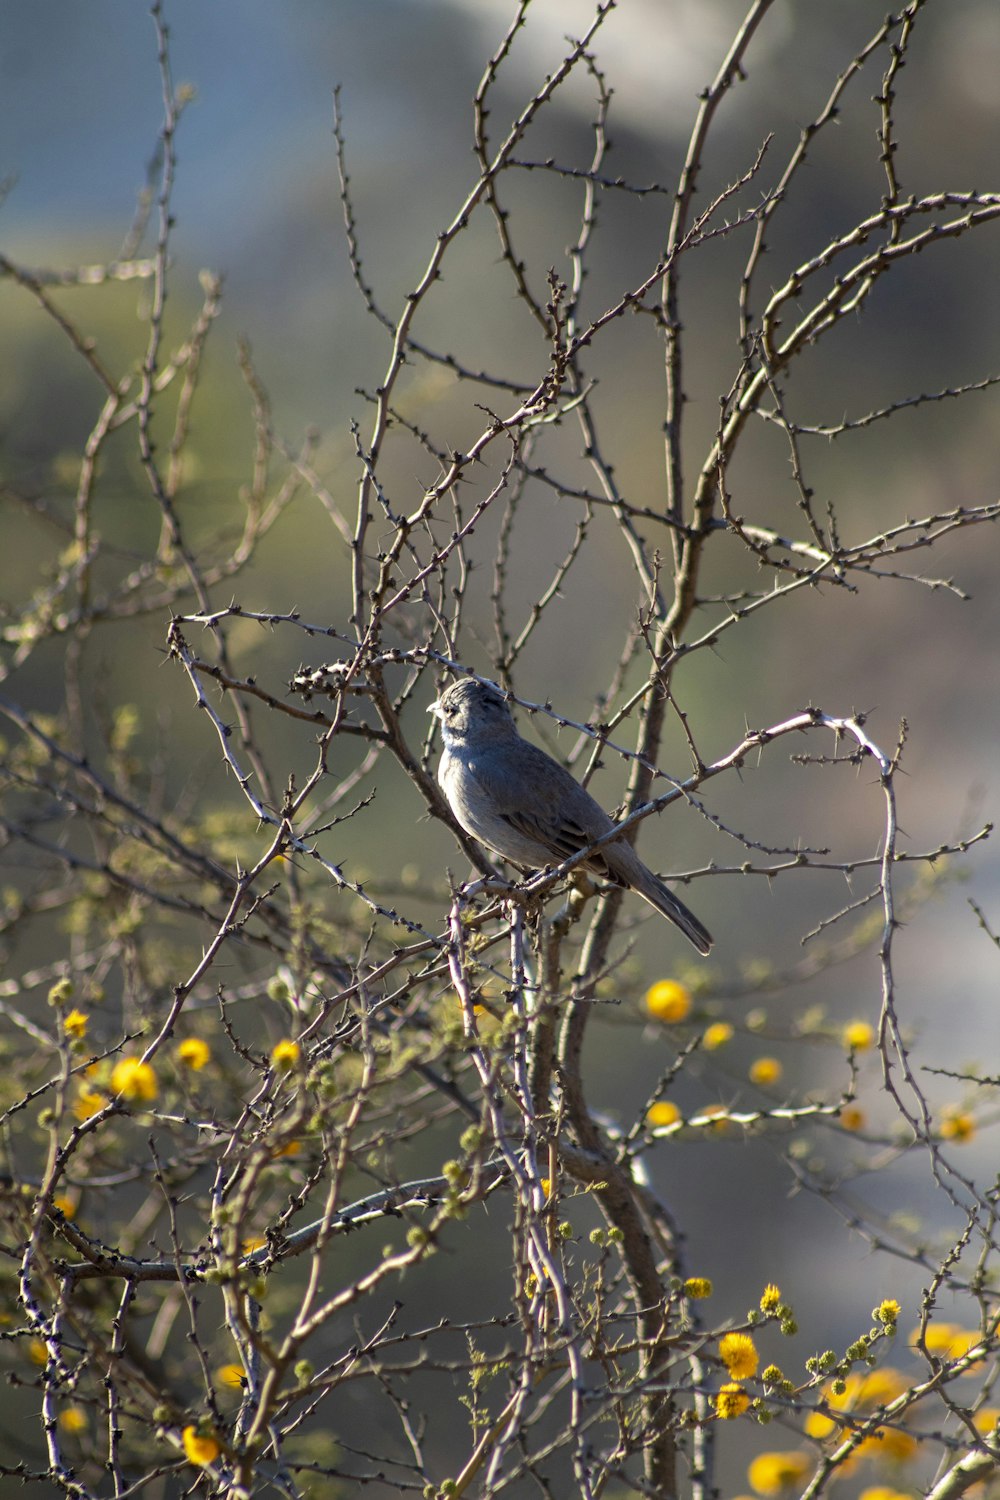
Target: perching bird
527	807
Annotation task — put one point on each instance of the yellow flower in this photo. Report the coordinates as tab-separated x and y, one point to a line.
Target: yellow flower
887	1311
732	1401
737	1352
852	1118
770	1473
65	1204
73	1419
697	1288
888	1442
765	1071
865	1393
770	1298
290	1148
818	1426
882	1492
718	1114
75	1023
285	1054
948	1340
193	1053
957	1125
231	1376
663	1113
937	1338
478	1009
135	1080
37	1352
200	1448
858	1036
986	1419
875	1388
668	1001
88	1101
716	1035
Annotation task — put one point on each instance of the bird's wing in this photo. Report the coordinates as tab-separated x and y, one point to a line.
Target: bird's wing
561	815
562	837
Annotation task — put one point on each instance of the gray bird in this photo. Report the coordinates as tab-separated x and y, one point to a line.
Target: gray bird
521	803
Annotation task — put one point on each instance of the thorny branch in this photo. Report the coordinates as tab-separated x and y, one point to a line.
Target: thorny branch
270	1076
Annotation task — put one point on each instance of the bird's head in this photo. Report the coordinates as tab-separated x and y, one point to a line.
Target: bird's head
472	711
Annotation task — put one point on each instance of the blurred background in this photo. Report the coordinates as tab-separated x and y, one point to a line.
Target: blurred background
257	201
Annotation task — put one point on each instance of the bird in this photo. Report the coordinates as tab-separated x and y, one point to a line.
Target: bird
514	798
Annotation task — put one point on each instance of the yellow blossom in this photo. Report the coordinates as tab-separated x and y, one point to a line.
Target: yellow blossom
880	1386
948	1340
231	1376
852	1118
888	1442
957	1125
887	1311
864	1393
770	1473
873	1389
698	1288
986	1419
135	1080
285	1054
858	1036
765	1071
668	1001
88	1101
65	1204
818	1426
193	1053
456	1000
73	1419
37	1352
200	1448
731	1401
662	1113
718	1115
290	1148
883	1492
937	1337
770	1298
716	1035
738	1354
75	1023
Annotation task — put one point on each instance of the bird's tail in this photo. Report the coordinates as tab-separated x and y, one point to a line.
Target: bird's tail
665	902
